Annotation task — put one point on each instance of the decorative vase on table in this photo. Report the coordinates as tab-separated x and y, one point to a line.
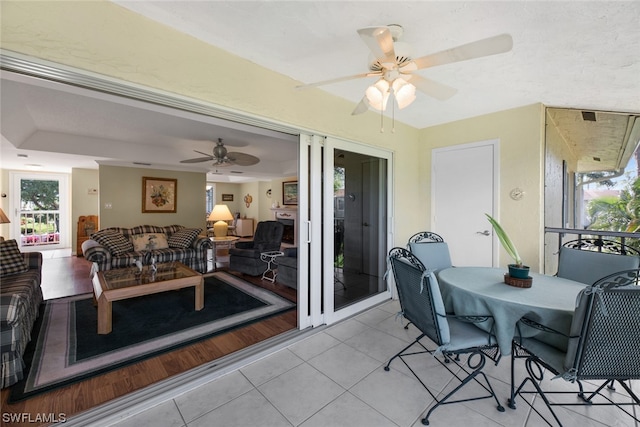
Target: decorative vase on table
518	272
518	275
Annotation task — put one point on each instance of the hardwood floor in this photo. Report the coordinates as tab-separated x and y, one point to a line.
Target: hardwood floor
69	276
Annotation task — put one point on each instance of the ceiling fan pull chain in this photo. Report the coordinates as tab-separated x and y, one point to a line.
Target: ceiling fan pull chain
381	121
393	113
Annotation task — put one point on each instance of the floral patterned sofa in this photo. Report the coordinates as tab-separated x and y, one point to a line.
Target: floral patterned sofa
20	299
118	247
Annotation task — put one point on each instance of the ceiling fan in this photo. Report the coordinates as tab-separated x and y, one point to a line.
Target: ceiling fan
392	63
221	157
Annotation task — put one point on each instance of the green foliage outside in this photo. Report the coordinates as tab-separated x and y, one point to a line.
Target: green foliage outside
36	225
39	195
621	213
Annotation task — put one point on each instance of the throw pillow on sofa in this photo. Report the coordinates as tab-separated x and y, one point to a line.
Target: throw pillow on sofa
115	242
149	241
11	259
183	238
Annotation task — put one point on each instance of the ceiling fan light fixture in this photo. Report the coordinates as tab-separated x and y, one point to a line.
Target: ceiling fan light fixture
378	94
405	93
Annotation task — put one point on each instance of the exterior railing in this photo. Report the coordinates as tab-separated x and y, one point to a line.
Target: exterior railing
39	228
631	239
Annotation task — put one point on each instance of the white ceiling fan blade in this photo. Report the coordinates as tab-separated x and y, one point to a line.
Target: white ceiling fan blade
432	88
362	107
485	47
338	80
380	42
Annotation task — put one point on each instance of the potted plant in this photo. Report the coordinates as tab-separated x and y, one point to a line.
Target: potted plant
517	270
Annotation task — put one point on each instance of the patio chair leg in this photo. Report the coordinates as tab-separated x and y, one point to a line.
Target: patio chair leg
470	377
386	368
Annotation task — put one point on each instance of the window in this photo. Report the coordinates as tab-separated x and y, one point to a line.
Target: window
210	196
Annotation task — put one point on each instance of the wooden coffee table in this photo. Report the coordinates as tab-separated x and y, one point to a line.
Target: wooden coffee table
124	283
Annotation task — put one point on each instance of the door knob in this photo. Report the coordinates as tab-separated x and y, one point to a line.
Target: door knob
484	233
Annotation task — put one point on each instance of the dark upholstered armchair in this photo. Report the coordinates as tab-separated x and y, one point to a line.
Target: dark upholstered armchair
288	268
245	257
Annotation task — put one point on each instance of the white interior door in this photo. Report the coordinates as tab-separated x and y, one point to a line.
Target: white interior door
464	188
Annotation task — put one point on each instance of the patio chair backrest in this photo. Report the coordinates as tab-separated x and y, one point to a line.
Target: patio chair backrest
431	249
419	295
587	266
606	326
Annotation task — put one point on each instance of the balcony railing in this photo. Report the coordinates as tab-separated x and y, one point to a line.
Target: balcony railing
567	234
39	228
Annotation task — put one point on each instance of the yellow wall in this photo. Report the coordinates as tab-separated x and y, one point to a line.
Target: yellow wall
105	38
521	136
82	202
122	188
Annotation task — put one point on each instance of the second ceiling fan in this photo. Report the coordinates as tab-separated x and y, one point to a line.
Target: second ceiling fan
391	61
222	157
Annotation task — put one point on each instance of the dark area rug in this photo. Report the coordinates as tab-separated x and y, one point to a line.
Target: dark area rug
66	347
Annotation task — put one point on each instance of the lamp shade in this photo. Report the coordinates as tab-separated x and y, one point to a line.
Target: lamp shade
405	93
377	94
220	214
3	218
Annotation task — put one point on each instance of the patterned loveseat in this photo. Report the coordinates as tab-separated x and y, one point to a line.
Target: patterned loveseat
117	247
20	299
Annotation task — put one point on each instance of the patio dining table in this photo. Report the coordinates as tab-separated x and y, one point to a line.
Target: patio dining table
482	291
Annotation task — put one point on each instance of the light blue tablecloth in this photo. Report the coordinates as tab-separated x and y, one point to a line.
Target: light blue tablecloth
482	291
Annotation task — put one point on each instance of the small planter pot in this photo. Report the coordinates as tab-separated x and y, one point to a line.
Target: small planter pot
518	272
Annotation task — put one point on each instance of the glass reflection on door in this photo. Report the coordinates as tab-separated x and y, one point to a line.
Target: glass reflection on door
360	226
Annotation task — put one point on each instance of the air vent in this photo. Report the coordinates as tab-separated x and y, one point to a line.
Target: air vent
589	116
142	164
596	159
237	172
23	155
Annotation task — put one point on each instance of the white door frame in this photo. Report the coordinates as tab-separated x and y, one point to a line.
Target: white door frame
495	144
65	208
330	315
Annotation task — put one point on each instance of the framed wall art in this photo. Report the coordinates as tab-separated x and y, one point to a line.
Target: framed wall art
227	197
159	195
290	193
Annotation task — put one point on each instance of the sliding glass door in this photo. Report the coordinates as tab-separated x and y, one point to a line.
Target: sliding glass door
356	227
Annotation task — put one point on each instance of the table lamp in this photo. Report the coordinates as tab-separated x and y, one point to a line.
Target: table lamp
220	213
3	220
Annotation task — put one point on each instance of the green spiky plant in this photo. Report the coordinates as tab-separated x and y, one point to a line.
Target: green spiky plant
507	244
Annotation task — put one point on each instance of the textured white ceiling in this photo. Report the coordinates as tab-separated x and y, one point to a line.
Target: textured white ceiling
577	54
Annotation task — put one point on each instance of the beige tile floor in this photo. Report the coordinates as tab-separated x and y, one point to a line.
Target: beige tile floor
336	378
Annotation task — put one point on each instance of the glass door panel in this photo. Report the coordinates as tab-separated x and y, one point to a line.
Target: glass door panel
40	215
356	227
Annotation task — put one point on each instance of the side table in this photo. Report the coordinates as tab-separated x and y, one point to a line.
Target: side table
221	243
270	258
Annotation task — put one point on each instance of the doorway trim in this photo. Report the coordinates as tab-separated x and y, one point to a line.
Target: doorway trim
15	177
495	205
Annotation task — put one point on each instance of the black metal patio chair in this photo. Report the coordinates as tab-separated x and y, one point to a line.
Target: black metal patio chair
451	335
587	260
431	249
602	348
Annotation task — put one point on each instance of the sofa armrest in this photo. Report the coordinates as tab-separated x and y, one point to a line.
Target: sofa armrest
97	253
201	243
33	260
